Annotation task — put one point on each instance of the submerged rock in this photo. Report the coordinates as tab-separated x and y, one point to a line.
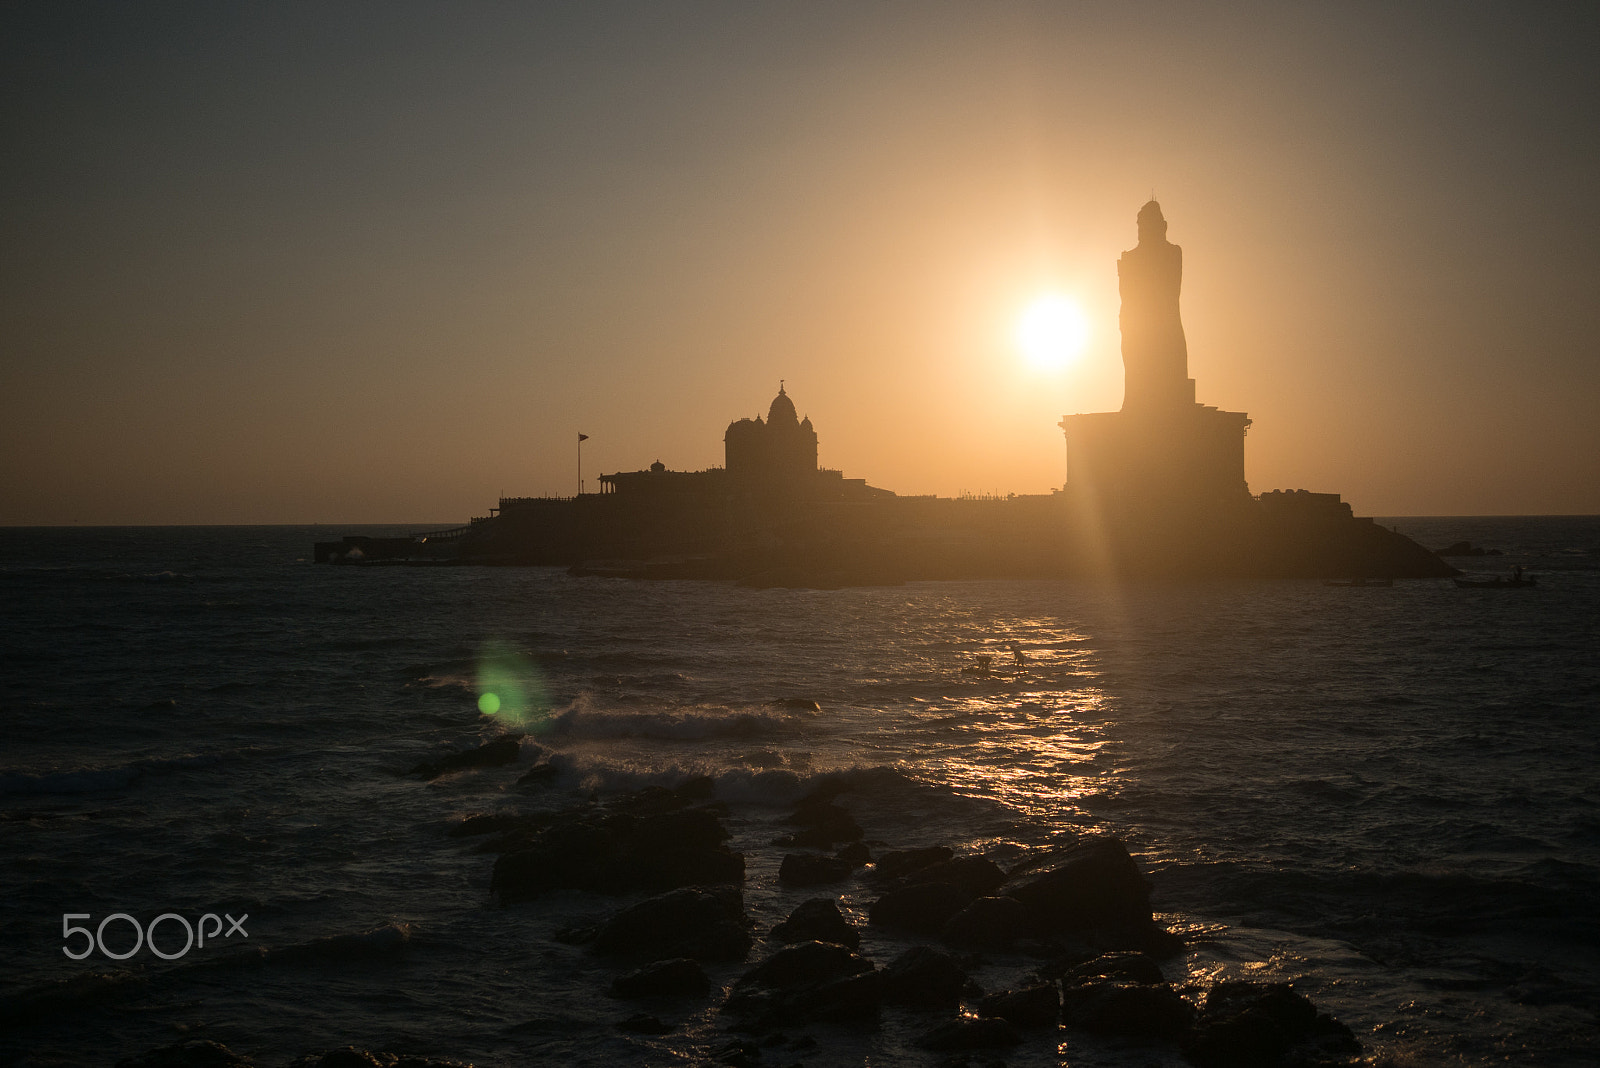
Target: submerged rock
1034	1006
505	749
922	909
1135	1010
807	983
821	823
810	869
924	977
1265	1025
1123	967
820	920
702	923
675	977
899	863
642	1024
197	1053
969	1033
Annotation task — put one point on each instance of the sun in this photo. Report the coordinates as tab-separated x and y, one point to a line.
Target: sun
1052	332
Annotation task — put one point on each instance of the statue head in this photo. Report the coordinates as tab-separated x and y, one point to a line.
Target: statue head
1152	224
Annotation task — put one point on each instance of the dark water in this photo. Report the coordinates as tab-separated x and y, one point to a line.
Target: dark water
1387	796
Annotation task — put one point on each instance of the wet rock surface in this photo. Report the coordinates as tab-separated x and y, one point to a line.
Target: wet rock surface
699	923
820	920
675	977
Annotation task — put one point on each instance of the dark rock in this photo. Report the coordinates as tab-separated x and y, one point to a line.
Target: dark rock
923	908
968	1033
990	923
974	876
851	999
1263	1025
1123	967
737	1054
705	923
855	854
806	962
812	982
617	851
809	869
826	819
677	977
924	977
1035	1006
539	775
505	749
1094	884
641	1024
1105	1006
192	1054
899	863
817	920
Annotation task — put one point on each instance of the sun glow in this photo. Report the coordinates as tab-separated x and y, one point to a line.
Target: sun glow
1052	332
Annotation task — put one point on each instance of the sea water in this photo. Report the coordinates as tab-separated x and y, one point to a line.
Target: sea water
1387	796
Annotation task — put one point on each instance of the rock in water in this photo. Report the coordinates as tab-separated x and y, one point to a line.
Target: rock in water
676	977
505	749
968	1033
1094	884
703	923
1107	1007
988	923
922	909
924	977
194	1054
817	920
805	983
1035	1006
1263	1025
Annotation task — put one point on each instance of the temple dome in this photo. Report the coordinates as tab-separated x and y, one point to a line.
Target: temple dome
782	409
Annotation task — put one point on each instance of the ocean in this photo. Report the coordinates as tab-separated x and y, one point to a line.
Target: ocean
1386	796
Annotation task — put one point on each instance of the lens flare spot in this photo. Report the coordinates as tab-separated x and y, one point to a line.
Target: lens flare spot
511	687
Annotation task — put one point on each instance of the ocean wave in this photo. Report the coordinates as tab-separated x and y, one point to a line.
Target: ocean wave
584	719
61	995
95	779
754	786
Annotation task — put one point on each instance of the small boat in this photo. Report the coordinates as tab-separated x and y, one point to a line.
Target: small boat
1358	582
1498	582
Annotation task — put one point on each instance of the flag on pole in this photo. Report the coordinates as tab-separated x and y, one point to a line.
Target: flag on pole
583	437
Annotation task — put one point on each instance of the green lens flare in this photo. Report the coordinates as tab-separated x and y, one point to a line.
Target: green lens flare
510	687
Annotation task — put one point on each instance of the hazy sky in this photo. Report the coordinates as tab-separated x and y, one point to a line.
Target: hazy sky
383	262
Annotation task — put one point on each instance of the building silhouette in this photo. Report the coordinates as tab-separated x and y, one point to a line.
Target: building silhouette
1155	489
1163	451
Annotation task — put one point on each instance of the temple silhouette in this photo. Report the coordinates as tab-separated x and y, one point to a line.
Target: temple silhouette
1155	489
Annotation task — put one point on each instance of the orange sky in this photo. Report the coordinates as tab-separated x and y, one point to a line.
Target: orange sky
351	264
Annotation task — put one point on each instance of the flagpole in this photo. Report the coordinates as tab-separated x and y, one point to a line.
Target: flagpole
581	439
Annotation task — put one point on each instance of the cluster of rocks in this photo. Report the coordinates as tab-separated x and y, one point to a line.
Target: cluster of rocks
1082	911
